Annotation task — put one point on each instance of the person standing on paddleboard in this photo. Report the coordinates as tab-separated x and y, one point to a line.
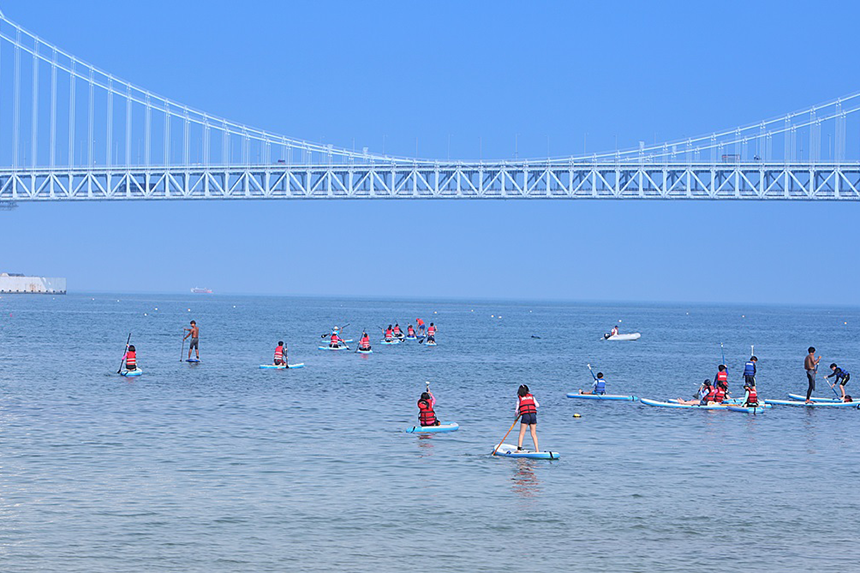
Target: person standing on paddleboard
420	324
280	354
527	407
194	333
810	364
842	378
750	371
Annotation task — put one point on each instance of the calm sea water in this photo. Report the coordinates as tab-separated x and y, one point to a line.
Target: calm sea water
223	467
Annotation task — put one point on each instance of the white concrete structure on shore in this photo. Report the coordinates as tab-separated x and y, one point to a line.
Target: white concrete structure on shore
20	284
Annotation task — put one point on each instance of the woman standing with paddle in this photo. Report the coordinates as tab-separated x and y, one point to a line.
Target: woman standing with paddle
527	413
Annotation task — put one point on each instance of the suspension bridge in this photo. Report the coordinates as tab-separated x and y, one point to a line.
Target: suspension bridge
72	132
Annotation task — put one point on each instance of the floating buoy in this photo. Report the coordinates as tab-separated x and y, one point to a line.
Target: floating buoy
144	314
577	415
189	310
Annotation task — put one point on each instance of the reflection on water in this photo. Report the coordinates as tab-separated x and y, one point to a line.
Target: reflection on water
525	481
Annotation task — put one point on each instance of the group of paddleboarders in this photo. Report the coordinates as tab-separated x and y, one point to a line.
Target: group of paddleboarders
393	333
840	376
526	413
712	394
129	359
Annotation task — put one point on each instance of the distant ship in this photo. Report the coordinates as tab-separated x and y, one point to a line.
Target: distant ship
198	290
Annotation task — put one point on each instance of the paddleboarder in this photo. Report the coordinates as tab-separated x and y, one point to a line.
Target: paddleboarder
527	407
599	386
750	370
280	354
842	378
194	333
704	396
810	364
431	333
426	413
130	358
364	342
420	324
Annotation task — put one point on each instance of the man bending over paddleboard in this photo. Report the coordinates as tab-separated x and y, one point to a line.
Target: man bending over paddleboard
194	333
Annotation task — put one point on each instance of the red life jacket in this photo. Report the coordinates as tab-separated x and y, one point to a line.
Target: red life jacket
752	400
388	334
334	338
722	376
431	330
426	415
711	395
130	358
364	342
410	331
527	405
396	330
279	353
720	394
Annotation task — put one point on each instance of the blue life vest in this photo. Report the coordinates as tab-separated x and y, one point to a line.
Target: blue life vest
841	373
749	368
600	386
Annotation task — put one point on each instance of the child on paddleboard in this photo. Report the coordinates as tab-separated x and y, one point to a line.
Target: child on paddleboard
703	397
431	333
842	378
527	407
130	359
364	342
280	353
599	386
426	413
750	395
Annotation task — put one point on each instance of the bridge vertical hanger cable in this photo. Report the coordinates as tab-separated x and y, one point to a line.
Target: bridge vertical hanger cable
91	122
16	103
109	122
34	111
52	140
72	82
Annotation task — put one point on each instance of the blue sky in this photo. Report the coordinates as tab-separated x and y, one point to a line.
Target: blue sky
552	76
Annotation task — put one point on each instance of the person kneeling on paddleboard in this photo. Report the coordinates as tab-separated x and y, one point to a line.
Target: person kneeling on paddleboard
410	332
527	413
599	386
335	340
750	395
426	414
364	342
389	334
721	391
431	333
280	354
130	359
842	378
397	332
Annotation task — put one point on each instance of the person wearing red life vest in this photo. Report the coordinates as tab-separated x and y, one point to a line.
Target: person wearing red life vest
280	353
431	333
389	334
704	397
130	358
410	332
426	413
364	342
397	332
335	340
750	395
527	407
722	378
721	392
420	324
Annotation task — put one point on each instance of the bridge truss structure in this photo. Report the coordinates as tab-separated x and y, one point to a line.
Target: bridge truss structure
71	132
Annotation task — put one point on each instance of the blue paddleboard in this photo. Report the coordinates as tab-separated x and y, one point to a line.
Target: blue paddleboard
448	427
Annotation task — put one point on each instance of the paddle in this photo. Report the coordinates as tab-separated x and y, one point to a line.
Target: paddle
592	371
496	449
723	355
182	351
123	356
